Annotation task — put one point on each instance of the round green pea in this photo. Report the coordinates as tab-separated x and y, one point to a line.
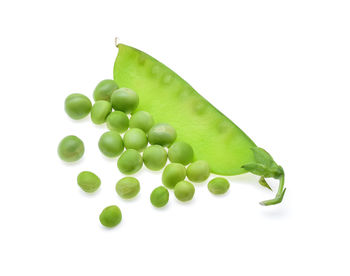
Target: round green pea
71	148
130	161
77	106
184	190
111	144
142	120
218	185
198	171
99	112
180	152
172	174
125	99
162	134
136	139
127	187
104	90
155	157
88	181
111	216
118	121
159	197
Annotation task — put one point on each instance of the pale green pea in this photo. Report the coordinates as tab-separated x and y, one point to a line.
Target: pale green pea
99	112
155	157
111	144
198	171
184	190
159	197
77	106
130	161
172	174
218	185
88	181
71	148
136	139
127	187
125	99
162	134
104	90
180	152
142	120
111	216
118	121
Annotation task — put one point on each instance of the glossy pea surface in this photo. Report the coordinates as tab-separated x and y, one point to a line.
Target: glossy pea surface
165	95
155	157
172	174
111	216
127	187
159	197
71	148
198	171
118	121
130	162
77	106
135	138
88	181
218	185
142	120
162	134
125	99
111	144
184	191
180	152
99	112
104	90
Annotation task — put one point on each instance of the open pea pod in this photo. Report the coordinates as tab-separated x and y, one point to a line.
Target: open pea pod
170	99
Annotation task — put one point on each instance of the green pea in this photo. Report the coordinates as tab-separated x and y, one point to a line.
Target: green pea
118	121
127	187
184	190
99	112
136	139
162	134
130	161
77	106
180	152
142	120
155	157
218	185
111	216
88	181
172	174
111	144
104	90
71	148
125	99
198	171
159	197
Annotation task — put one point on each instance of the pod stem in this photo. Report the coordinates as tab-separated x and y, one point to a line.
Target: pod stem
279	195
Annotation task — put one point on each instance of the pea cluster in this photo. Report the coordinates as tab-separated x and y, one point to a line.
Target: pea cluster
117	108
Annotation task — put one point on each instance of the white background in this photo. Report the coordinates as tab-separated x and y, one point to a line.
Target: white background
279	69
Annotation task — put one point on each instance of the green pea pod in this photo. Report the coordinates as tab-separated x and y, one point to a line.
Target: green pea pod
213	137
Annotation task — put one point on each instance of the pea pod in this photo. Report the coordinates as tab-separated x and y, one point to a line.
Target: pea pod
170	99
